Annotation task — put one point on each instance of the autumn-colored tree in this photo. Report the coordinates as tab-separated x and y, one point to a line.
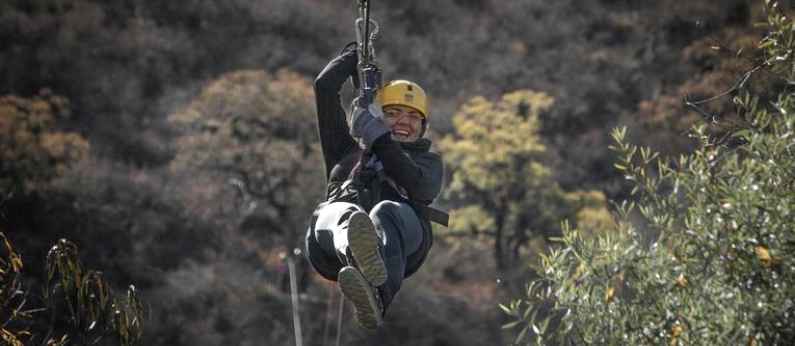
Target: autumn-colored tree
712	260
32	149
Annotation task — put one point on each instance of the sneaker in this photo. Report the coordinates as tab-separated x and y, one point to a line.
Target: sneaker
363	243
355	288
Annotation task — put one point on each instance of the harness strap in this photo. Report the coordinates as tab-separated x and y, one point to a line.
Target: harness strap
432	214
373	183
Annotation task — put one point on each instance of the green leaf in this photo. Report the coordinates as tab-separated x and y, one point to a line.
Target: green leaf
507	310
511	324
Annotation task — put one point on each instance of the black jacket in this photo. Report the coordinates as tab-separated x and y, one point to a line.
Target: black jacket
412	167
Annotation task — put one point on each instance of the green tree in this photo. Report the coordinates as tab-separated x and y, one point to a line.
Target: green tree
712	260
500	187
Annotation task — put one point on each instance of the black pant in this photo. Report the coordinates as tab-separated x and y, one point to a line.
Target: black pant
397	225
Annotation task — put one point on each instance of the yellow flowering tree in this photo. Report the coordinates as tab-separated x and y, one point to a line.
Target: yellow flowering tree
500	189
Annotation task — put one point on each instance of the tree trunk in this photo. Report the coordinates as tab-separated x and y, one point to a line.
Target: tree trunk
499	221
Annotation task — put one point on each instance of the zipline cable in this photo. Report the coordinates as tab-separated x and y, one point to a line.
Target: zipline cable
370	77
369	74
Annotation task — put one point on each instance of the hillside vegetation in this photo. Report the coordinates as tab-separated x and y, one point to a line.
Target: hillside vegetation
174	142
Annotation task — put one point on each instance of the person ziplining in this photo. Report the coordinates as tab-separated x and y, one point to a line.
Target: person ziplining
373	231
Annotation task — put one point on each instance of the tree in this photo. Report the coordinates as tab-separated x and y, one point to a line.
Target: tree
32	149
499	187
712	260
256	131
249	141
719	62
79	304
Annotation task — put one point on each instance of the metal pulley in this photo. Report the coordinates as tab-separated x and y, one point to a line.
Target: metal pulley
369	74
366	34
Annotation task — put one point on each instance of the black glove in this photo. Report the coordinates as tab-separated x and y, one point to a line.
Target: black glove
353	47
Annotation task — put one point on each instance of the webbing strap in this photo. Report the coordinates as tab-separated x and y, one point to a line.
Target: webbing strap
433	214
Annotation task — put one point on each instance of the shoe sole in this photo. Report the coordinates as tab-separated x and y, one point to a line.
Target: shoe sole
364	243
356	290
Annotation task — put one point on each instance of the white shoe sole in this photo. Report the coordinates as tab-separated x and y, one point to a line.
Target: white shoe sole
364	243
356	290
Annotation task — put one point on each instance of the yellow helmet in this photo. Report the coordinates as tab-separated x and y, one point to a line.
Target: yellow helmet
404	93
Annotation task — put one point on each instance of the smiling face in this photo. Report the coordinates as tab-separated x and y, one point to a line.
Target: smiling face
405	122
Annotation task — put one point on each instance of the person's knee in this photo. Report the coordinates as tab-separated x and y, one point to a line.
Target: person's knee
385	209
325	238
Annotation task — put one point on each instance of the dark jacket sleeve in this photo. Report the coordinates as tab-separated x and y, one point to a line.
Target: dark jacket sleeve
421	176
335	138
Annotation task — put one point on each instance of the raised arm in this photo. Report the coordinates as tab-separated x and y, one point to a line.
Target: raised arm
335	138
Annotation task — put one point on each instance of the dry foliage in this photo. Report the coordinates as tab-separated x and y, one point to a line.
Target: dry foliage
80	297
32	149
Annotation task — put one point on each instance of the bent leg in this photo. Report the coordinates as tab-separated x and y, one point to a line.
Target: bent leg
329	227
401	236
327	238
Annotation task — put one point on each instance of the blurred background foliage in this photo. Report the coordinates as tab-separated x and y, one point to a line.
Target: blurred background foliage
256	132
174	142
